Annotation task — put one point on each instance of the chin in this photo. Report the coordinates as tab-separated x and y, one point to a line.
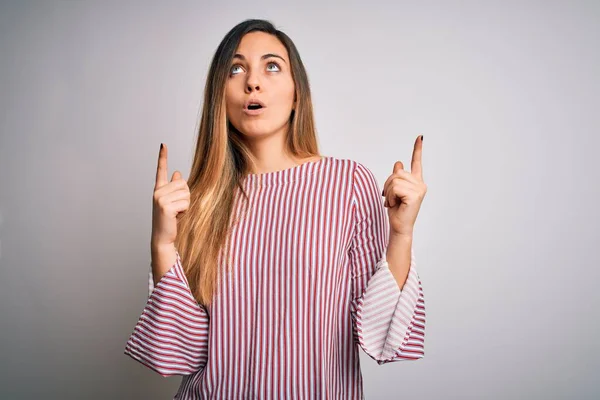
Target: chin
256	130
255	133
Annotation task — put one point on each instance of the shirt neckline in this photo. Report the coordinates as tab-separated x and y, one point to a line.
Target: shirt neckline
285	175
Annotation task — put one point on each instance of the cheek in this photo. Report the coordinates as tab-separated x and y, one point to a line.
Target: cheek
228	112
292	93
286	94
228	96
230	103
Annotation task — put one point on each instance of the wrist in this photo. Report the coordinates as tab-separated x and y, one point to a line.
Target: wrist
156	246
404	236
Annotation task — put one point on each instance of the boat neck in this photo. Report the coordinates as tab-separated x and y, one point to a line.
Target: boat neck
285	175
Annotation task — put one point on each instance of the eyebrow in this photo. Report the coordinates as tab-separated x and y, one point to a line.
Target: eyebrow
268	55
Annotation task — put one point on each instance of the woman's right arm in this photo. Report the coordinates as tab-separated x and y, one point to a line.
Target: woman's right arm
171	335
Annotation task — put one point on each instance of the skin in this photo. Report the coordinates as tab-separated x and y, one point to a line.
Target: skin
404	193
169	201
253	74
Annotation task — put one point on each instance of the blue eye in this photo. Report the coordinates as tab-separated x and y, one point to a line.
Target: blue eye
231	70
275	64
278	68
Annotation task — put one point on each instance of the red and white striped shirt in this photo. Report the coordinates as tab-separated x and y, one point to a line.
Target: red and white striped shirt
307	285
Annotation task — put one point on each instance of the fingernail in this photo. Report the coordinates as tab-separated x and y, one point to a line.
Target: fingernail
422	136
161	146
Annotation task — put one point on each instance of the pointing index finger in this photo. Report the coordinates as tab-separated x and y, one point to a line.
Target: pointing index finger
416	167
161	170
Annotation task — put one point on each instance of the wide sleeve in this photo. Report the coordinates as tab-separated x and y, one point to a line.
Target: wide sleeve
389	323
171	335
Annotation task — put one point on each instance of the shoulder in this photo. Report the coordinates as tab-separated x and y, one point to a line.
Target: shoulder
357	175
354	169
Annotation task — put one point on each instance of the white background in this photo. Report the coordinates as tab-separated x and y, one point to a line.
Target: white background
506	94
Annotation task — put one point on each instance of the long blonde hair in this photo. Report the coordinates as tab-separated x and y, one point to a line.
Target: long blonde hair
222	160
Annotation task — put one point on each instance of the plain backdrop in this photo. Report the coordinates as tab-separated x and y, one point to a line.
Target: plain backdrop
507	239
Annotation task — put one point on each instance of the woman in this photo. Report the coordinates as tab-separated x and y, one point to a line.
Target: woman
272	264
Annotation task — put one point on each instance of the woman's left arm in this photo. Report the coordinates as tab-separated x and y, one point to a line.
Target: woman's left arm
389	311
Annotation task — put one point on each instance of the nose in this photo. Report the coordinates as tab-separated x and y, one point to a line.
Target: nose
251	88
252	83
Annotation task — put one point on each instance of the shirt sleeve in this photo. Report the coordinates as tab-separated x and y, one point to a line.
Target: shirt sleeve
171	335
389	323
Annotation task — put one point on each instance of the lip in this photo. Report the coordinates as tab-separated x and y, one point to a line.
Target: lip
254	112
248	111
253	101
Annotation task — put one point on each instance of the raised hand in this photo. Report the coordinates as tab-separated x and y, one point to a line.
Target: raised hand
404	192
170	200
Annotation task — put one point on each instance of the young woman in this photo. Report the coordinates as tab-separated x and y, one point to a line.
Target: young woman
272	264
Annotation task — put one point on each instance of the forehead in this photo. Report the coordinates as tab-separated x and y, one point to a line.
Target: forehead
255	44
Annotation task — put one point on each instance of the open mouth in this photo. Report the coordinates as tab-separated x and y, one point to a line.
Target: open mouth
254	107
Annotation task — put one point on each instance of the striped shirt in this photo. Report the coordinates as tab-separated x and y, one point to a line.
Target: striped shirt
307	284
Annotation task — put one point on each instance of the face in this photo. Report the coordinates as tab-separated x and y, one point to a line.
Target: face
261	72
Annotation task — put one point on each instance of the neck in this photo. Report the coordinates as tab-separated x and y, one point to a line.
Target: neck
270	153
